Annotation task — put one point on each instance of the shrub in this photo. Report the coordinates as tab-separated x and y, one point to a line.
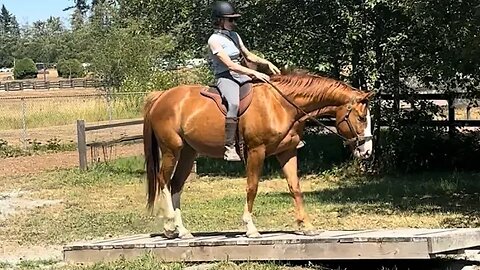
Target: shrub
24	69
71	68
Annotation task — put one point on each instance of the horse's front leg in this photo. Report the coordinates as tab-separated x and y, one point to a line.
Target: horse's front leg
255	161
288	162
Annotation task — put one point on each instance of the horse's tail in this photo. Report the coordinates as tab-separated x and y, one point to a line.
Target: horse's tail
151	150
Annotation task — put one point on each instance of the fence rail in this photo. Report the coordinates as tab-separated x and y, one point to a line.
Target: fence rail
45	85
450	97
82	143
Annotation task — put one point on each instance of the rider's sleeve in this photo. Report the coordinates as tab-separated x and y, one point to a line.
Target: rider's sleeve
214	44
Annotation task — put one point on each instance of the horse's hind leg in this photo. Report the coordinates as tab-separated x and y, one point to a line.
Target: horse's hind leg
184	167
169	159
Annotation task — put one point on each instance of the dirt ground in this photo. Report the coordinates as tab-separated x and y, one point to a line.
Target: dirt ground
68	133
14	201
47	162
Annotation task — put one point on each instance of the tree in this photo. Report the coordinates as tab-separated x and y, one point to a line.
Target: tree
8	23
9	35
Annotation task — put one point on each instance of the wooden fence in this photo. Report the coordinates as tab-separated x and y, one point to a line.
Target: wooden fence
82	138
450	97
451	122
46	85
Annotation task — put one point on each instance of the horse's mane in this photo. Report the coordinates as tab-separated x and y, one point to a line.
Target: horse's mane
291	81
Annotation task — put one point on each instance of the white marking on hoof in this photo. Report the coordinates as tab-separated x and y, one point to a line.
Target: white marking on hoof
182	231
186	236
254	234
311	232
252	231
169	214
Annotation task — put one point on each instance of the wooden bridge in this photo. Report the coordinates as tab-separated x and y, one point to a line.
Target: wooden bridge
283	246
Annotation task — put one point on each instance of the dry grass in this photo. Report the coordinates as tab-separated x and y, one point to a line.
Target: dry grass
51	76
53	111
461	113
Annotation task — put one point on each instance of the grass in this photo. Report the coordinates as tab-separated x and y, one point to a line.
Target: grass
150	262
53	111
34	147
109	201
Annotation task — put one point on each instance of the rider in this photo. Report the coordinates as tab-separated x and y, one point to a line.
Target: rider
226	50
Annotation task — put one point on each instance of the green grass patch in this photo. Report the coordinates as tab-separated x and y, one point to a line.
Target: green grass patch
149	262
36	264
34	147
109	200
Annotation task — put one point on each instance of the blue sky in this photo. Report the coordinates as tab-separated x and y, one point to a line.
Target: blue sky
29	11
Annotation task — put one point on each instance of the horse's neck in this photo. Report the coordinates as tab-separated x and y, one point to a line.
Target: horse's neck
322	101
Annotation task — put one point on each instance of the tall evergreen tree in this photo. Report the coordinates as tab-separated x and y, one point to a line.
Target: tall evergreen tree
9	24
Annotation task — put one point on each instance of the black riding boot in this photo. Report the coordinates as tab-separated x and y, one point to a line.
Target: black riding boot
230	132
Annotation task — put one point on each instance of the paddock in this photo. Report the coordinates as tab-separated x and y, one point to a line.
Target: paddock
396	244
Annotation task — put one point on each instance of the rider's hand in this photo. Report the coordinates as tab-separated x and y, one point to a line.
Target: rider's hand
273	68
261	76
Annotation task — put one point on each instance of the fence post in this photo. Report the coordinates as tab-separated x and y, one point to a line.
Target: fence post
109	105
81	144
451	116
193	173
24	124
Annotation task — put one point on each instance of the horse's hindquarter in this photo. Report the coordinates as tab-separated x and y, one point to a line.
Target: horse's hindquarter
202	125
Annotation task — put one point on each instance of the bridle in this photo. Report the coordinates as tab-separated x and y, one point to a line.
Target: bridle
355	141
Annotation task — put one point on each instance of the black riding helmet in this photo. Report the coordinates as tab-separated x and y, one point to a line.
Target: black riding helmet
223	9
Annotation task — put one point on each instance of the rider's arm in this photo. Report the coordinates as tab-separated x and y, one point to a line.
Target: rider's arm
255	58
251	56
217	49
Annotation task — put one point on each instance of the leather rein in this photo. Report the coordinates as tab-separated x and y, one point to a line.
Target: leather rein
356	141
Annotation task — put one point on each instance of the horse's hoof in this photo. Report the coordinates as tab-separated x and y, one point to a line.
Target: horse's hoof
254	234
186	236
170	234
311	232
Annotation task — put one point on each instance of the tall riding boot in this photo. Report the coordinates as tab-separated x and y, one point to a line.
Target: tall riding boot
230	131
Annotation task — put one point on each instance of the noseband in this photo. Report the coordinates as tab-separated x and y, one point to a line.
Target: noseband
357	140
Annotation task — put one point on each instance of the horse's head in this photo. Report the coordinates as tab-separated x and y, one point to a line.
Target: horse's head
354	123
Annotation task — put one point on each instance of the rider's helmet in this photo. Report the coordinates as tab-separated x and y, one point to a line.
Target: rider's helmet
223	9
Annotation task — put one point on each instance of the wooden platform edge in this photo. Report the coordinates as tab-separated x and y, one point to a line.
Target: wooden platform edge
457	241
276	252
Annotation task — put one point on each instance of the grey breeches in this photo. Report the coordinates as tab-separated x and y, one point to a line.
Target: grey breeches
228	83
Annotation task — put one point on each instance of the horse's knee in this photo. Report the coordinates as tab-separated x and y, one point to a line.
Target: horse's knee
295	191
251	189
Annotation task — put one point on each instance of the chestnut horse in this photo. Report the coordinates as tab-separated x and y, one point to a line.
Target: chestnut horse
181	123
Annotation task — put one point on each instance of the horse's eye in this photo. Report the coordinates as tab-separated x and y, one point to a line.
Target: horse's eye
362	119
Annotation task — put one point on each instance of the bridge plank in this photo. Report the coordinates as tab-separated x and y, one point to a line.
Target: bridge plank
330	245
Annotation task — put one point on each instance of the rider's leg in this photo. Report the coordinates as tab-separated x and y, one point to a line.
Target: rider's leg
230	92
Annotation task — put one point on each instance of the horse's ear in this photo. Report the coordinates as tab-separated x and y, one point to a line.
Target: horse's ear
366	96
